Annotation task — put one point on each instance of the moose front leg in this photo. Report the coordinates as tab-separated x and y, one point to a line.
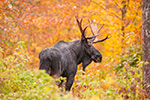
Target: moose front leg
69	83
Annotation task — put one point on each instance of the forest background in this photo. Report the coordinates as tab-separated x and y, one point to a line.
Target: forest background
29	26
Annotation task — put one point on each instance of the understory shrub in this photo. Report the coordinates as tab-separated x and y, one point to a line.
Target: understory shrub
17	81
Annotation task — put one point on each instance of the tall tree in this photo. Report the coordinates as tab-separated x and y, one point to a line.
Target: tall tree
146	44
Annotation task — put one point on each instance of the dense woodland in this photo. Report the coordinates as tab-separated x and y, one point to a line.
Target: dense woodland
29	26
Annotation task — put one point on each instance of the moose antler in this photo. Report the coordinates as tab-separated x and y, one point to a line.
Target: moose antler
96	31
80	26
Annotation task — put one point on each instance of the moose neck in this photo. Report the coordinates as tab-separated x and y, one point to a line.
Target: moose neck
77	50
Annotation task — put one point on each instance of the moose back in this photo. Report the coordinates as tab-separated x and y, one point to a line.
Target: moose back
62	59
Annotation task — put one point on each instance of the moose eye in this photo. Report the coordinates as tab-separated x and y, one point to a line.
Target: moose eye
89	45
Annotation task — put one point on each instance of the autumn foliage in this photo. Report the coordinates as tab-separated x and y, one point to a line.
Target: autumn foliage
28	26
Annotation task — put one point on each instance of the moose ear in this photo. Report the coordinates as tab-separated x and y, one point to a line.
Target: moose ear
87	41
83	38
87	60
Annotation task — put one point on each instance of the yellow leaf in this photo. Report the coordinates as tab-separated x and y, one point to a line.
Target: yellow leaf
95	98
145	63
1	52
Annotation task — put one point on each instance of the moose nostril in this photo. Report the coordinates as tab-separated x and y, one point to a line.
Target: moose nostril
99	58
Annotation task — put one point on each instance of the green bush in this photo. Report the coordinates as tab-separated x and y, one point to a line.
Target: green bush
18	82
132	56
129	73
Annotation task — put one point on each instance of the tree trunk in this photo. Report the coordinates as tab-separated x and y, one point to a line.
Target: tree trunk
146	44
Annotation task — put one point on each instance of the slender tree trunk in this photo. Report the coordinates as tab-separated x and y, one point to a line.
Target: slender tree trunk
123	15
146	44
124	11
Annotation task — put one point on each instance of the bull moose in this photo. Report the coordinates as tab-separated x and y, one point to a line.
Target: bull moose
62	58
